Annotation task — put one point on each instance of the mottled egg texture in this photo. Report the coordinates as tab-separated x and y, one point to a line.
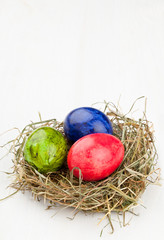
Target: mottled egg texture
45	149
86	120
96	155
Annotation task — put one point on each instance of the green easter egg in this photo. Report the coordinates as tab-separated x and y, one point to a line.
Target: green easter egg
45	149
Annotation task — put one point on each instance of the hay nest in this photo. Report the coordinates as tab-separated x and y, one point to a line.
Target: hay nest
120	192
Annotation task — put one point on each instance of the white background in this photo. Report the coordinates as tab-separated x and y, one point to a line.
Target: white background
58	55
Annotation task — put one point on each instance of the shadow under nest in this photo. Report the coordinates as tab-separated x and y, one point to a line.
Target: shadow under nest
120	192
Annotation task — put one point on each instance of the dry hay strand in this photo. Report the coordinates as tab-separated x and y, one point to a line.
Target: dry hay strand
120	192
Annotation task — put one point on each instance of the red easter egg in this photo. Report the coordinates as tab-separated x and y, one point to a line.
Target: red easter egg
96	155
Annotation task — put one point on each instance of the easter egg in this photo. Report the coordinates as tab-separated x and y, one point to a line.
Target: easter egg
45	149
86	120
96	156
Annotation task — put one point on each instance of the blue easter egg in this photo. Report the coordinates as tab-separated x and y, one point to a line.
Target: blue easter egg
86	120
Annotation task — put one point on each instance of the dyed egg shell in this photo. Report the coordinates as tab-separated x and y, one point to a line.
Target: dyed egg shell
86	120
96	155
45	149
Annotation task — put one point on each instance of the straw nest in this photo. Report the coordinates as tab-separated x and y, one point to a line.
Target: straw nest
120	192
